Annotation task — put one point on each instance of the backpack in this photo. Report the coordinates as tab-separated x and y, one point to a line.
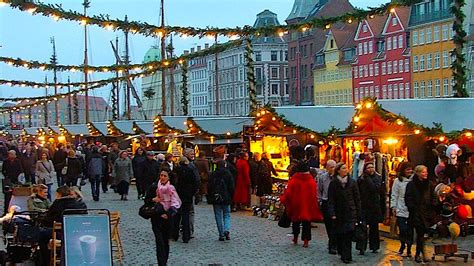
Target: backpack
219	190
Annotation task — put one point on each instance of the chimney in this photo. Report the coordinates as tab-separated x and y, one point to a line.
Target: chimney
206	45
192	50
186	52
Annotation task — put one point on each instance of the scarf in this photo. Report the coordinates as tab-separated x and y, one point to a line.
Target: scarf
343	180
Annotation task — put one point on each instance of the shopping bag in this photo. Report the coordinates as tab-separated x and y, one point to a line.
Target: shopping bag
284	221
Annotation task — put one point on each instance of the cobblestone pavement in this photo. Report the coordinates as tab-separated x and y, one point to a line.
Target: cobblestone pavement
255	241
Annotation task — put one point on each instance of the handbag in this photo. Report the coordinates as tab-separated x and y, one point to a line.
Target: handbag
284	221
360	233
64	170
148	210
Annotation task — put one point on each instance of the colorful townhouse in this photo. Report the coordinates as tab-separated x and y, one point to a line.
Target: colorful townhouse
431	24
332	69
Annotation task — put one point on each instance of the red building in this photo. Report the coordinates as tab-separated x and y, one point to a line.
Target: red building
382	65
305	43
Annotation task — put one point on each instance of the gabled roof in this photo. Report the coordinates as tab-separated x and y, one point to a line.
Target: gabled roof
301	9
145	126
222	125
375	25
344	36
101	127
402	14
452	113
55	129
124	126
79	129
176	122
264	19
318	118
330	8
33	131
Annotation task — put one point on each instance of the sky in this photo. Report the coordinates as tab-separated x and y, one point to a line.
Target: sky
28	37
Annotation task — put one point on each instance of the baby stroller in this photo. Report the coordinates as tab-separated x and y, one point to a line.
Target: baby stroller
21	238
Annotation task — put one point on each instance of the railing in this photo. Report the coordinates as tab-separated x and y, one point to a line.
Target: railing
430	17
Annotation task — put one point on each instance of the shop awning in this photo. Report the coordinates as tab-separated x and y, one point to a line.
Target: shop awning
216	142
222	125
55	129
124	126
452	113
176	122
145	126
77	130
14	132
318	118
101	127
33	131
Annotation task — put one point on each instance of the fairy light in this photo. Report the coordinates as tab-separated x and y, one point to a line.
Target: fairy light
109	27
281	33
356	119
468	134
392	10
417	131
349	21
55	17
368	105
83	22
328	26
3	3
442	138
399	122
304	29
210	36
184	36
31	10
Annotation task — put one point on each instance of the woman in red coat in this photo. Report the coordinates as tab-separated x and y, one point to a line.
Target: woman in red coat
301	202
242	183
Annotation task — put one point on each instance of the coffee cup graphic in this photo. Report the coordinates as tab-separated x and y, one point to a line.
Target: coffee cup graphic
88	248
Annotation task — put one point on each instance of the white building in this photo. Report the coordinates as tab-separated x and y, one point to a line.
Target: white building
198	81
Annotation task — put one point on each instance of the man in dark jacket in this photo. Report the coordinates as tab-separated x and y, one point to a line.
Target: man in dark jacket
189	153
421	201
95	170
28	161
186	187
111	158
253	164
202	165
370	184
59	161
220	193
11	170
64	201
150	170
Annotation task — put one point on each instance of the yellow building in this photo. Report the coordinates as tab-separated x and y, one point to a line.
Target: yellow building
333	71
431	34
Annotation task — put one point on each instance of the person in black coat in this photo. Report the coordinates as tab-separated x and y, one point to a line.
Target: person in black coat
221	188
264	179
11	169
137	160
344	209
150	170
421	201
74	169
186	187
253	164
370	184
59	160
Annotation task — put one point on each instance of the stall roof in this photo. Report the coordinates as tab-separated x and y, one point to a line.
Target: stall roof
145	126
318	118
177	122
101	127
14	132
222	125
32	130
79	129
124	126
452	113
216	142
55	129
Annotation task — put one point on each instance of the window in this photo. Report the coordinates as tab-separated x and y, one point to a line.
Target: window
364	28
451	33
258	89
376	69
437	87
360	49
429	62
422	63
445	32
331	44
395	66
356	95
371	91
258	73
384	68
446	87
400	66
356	72
348	55
389	67
415	63
407	90
401	94
394	42
429	35
400	41
421	36
422	89
407	65
384	92
274	56
394	21
430	88
377	91
274	72
361	71
365	48
258	56
395	91
371	70
275	89
371	47
445	59
390	91
320	59
366	71
389	43
415	38
415	89
436	33
436	60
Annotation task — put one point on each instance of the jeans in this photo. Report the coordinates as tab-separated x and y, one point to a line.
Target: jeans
105	182
60	178
191	220
222	215
406	233
306	235
329	224
49	191
95	186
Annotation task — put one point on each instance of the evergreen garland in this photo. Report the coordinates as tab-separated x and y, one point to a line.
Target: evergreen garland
75	108
184	88
459	65
250	75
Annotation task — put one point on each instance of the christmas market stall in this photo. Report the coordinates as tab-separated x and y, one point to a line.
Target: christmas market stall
169	133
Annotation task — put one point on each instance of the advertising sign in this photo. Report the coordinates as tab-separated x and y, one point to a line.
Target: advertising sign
87	240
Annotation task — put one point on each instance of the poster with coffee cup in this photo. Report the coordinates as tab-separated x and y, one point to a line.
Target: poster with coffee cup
87	240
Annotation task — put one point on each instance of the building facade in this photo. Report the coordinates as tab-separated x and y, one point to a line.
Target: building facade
198	80
332	70
304	44
270	68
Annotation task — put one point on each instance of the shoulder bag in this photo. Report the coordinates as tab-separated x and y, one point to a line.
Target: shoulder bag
52	174
64	170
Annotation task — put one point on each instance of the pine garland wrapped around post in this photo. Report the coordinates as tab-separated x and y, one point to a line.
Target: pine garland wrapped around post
75	104
250	75
29	117
184	88
458	66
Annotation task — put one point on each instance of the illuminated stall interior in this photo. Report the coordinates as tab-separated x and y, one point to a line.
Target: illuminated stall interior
168	133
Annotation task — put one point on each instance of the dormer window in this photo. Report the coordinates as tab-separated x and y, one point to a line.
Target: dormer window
364	28
320	59
394	21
